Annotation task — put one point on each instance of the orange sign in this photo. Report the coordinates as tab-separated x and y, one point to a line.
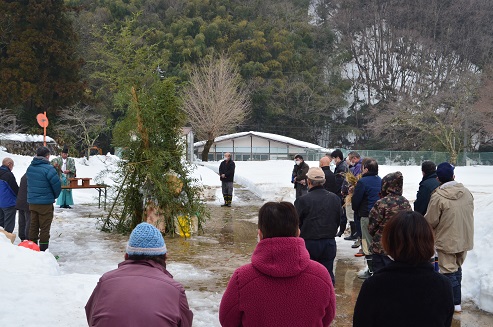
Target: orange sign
42	120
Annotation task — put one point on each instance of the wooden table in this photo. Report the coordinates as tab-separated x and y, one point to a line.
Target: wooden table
86	183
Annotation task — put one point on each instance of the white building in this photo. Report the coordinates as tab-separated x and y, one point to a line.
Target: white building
260	146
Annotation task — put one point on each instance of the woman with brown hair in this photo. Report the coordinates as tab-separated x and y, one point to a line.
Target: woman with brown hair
408	292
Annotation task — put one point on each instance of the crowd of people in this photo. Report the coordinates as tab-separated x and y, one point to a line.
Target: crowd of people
39	188
290	280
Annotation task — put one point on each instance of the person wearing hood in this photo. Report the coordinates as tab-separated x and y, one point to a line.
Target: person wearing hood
281	286
451	215
427	185
43	187
390	204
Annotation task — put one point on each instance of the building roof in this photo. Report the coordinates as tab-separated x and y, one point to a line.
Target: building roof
269	136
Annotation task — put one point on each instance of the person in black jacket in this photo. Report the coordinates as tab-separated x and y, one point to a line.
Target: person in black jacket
23	207
427	185
340	175
8	195
320	213
298	176
408	292
227	174
330	179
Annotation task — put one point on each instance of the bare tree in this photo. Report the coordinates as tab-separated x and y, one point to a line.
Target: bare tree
9	122
216	100
416	65
83	123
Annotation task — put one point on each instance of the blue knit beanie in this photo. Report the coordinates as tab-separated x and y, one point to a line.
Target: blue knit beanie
146	239
445	172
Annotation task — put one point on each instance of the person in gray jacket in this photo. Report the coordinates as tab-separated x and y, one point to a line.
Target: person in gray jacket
451	215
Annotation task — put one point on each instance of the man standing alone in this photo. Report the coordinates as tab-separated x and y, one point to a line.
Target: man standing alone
8	195
320	214
451	215
227	174
43	187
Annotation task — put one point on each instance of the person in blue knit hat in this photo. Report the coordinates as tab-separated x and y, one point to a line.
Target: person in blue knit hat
140	292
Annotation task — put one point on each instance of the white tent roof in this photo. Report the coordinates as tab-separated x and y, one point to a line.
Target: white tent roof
270	136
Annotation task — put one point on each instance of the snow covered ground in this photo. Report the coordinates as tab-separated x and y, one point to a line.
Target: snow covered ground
39	291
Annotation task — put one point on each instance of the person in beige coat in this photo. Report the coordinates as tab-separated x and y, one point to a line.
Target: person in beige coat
451	215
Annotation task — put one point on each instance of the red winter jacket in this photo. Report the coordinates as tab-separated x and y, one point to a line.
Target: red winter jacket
281	287
138	293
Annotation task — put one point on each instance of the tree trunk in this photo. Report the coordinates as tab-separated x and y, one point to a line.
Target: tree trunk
207	147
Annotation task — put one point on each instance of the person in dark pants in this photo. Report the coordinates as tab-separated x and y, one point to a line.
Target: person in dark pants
340	175
298	177
451	215
366	193
43	187
8	195
427	185
408	292
23	207
227	174
320	214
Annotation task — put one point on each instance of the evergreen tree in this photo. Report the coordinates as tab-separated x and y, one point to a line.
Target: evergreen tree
152	174
39	68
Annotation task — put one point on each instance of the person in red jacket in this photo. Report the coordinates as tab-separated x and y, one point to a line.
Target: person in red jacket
282	286
140	292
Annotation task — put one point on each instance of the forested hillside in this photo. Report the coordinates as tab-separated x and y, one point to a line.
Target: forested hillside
352	73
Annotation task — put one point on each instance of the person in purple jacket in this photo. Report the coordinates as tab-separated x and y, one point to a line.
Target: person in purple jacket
140	292
281	286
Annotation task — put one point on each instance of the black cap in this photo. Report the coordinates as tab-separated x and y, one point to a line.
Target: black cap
65	149
42	151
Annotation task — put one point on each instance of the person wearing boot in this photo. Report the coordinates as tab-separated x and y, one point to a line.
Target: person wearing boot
43	187
366	193
390	204
227	174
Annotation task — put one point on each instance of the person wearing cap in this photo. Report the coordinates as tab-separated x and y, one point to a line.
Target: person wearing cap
8	195
451	215
320	215
298	176
281	286
427	185
140	292
66	169
43	187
